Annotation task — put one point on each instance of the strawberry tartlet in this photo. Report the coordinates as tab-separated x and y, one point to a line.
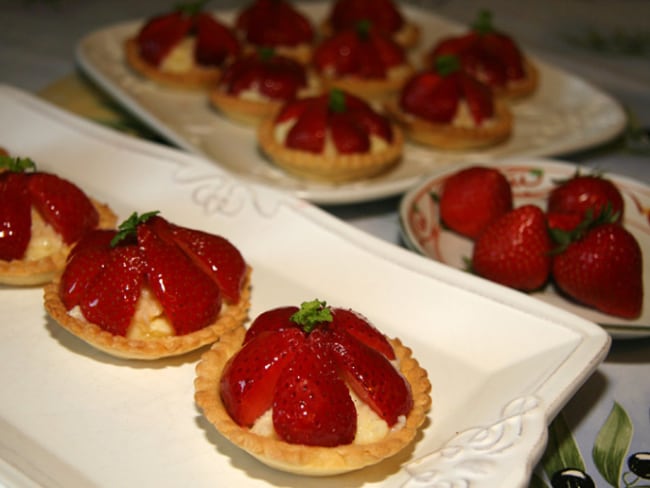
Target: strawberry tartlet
446	108
150	289
41	217
186	48
313	390
256	85
333	137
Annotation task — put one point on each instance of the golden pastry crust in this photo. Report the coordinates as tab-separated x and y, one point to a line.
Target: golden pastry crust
232	316
333	169
300	52
198	78
448	136
522	88
249	112
377	89
40	271
301	459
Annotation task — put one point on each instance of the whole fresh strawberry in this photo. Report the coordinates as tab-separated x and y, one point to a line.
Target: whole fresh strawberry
349	120
601	265
274	23
436	94
361	50
473	198
274	76
190	274
488	54
59	202
515	250
301	362
215	43
586	193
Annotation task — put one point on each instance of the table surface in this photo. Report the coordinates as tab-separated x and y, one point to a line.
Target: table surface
605	42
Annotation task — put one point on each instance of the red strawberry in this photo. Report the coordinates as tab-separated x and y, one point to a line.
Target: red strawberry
603	269
249	379
160	34
312	406
189	297
215	43
581	193
382	13
109	300
348	136
473	198
515	250
318	350
373	122
15	216
63	205
274	23
310	130
563	221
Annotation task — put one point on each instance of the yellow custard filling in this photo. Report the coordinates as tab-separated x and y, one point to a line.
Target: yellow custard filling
181	58
45	241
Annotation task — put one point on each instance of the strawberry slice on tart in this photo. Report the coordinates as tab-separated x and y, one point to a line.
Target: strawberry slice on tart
276	24
256	85
384	14
492	56
314	390
362	60
184	48
446	108
150	289
333	137
42	216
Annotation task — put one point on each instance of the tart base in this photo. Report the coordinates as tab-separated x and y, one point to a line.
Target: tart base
40	271
335	169
523	88
450	137
297	458
248	112
372	90
231	317
408	36
198	78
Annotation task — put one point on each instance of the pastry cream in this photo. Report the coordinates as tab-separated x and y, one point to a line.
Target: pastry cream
45	241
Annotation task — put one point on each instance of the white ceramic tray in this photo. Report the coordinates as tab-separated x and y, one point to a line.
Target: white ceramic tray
531	180
567	114
501	364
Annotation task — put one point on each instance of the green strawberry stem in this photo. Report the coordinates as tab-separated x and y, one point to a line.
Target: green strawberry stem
565	237
129	226
447	64
266	53
363	28
17	165
483	23
337	101
191	8
311	314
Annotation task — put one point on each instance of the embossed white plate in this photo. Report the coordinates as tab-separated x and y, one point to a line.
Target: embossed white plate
567	114
531	180
501	364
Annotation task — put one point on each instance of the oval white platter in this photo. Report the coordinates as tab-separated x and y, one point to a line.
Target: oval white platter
566	114
531	180
501	364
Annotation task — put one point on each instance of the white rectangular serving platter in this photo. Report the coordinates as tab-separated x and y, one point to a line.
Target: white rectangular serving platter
501	364
566	114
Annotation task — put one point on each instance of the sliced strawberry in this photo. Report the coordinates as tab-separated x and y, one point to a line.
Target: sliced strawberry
603	270
310	130
515	250
215	43
15	216
274	23
293	109
86	260
190	298
478	97
347	135
63	205
382	13
431	96
249	379
358	327
586	193
372	122
217	257
336	54
563	221
312	406
272	320
109	300
472	198
160	34
372	377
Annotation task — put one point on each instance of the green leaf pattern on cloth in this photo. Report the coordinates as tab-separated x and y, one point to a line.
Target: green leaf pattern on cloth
612	444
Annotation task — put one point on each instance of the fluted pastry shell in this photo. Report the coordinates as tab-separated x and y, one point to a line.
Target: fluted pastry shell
451	137
245	111
26	272
408	36
197	78
232	316
297	458
370	89
522	88
334	169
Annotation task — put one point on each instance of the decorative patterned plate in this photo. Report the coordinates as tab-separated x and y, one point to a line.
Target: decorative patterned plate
567	114
501	364
531	181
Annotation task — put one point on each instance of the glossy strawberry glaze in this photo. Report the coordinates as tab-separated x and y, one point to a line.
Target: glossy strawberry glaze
274	23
